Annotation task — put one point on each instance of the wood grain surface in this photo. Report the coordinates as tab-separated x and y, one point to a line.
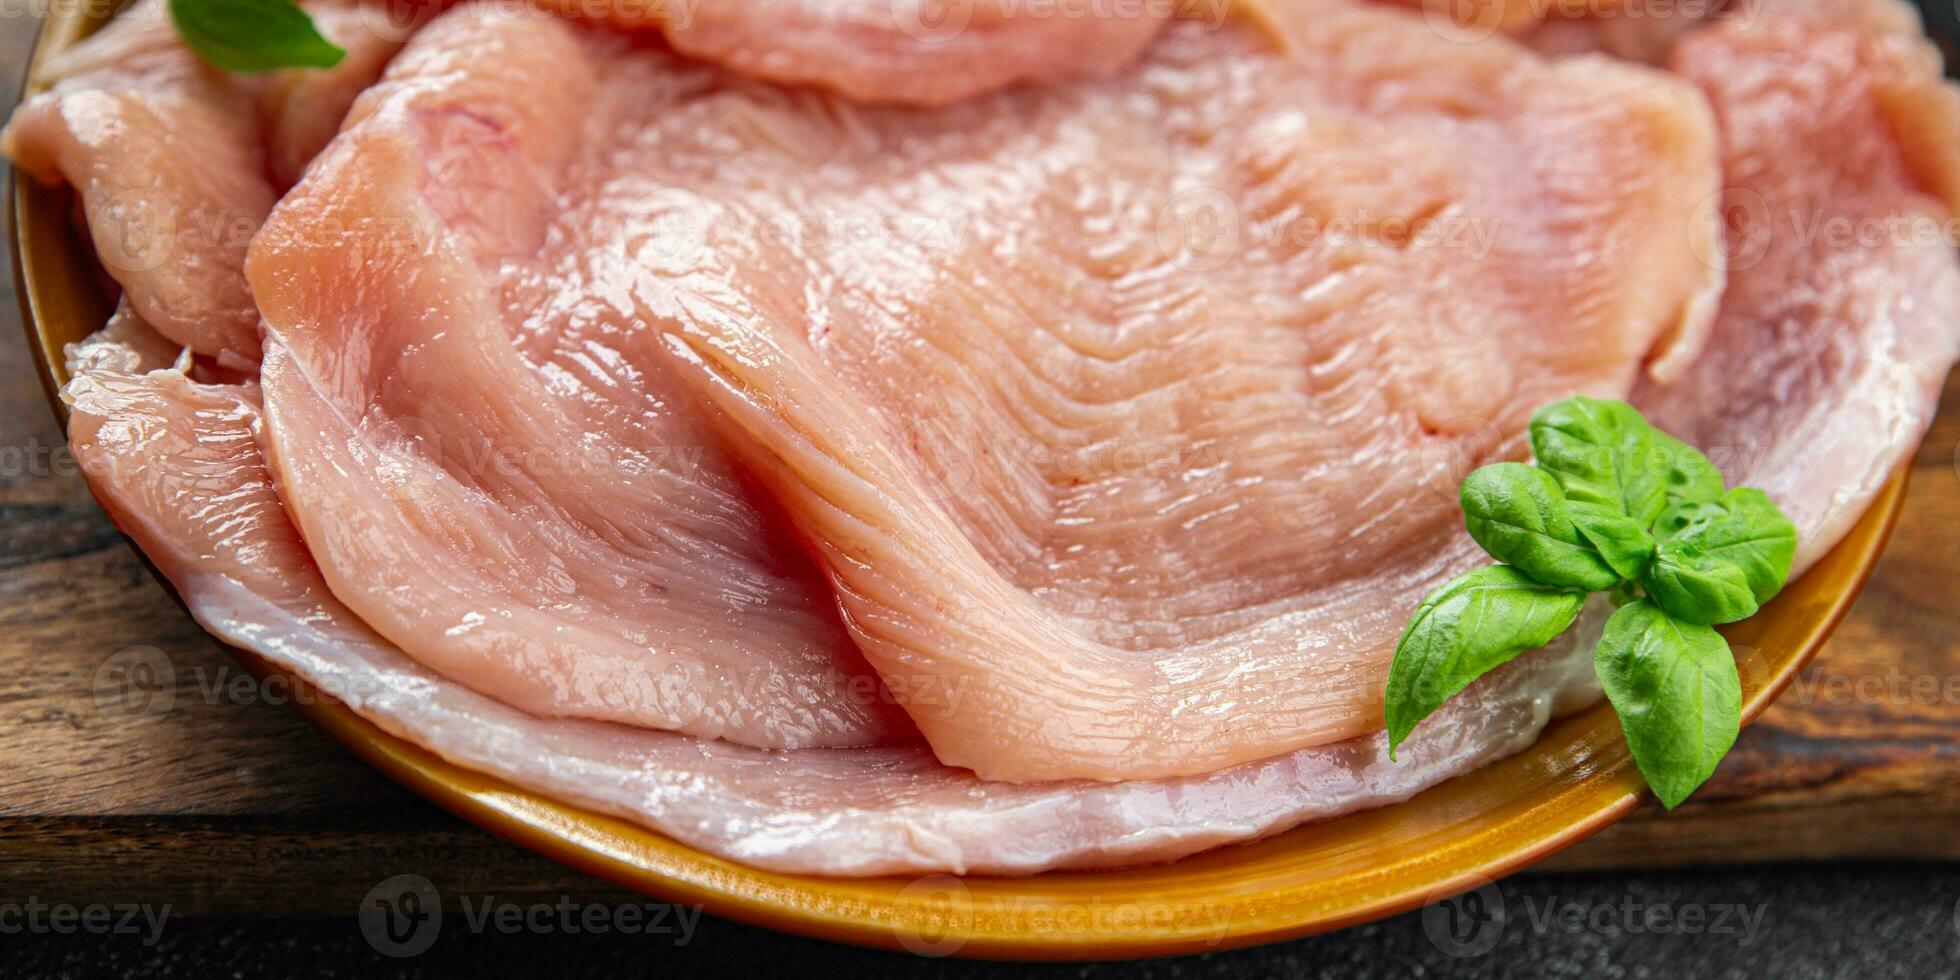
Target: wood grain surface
220	800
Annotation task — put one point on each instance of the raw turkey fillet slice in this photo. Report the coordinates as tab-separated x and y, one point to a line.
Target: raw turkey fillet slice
1011	312
176	464
166	154
483	469
1842	317
920	52
301	108
1648	35
1140	443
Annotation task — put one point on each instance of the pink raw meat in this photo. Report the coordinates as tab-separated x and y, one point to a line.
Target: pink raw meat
942	337
1842	148
166	154
922	52
484	471
1820	375
1142	442
176	463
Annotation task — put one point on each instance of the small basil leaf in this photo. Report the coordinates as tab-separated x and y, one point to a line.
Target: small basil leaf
1517	513
1697	588
1620	540
1470	625
1602	453
253	35
1745	529
1676	690
1687	474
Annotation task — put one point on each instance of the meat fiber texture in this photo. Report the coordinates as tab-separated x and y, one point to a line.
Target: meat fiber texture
153	440
168	158
948	412
476	265
918	52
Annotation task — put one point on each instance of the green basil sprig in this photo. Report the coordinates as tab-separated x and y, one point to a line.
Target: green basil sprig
1675	687
1465	628
253	35
1616	506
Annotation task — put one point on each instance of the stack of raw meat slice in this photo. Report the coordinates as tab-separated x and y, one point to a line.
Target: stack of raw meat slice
894	453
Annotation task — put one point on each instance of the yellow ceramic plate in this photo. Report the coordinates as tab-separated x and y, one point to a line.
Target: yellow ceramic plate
1577	779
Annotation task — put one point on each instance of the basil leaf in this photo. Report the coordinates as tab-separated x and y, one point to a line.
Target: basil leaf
1620	540
1687	474
1602	453
1678	695
1685	517
1517	513
253	35
1698	588
1471	624
1745	529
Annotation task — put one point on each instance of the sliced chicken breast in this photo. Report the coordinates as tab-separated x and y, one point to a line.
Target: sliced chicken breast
164	152
1842	317
1148	438
920	52
1150	510
485	472
175	462
1816	380
169	157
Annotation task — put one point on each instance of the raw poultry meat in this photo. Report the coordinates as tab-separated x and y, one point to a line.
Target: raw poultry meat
1233	596
920	52
1842	316
300	109
166	154
484	471
169	161
175	461
1826	333
1157	505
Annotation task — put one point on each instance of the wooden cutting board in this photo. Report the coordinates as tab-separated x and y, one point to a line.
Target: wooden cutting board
229	804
